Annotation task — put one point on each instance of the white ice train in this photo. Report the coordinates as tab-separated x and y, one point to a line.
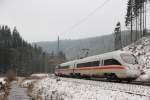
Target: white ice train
117	65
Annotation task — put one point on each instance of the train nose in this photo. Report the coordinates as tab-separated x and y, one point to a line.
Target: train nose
134	73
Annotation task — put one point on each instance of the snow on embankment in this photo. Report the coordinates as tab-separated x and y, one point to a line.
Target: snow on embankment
141	49
40	75
2	80
2	88
33	78
66	89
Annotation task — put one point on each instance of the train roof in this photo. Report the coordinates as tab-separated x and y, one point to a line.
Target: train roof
108	55
68	63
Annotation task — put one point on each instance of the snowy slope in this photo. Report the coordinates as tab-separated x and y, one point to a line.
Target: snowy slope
141	49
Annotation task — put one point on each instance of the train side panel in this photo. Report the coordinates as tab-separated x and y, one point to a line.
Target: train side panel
100	71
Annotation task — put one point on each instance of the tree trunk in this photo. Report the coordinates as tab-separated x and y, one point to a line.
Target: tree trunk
145	18
141	22
143	12
136	29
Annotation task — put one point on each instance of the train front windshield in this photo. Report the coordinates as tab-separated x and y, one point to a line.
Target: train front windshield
129	58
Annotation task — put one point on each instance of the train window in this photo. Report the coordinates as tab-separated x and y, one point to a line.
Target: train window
111	62
88	64
95	63
129	58
63	67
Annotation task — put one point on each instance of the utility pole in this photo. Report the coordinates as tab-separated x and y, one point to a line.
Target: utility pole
44	57
117	35
58	46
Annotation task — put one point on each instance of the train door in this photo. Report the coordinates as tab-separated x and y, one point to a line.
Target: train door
101	65
74	66
100	62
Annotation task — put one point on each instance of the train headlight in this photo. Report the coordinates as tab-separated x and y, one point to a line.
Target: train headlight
128	67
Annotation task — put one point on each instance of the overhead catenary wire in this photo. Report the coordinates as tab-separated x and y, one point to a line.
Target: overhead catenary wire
86	17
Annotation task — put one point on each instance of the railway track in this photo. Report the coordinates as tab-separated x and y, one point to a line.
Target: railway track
136	87
123	82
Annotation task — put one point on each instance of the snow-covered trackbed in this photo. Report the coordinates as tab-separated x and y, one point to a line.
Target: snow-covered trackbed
60	88
121	87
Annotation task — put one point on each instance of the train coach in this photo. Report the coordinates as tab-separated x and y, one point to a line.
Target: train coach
117	65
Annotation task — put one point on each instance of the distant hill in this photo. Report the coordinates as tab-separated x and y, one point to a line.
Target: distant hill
73	48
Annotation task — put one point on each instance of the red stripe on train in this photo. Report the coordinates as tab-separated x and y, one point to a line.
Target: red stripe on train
97	68
100	68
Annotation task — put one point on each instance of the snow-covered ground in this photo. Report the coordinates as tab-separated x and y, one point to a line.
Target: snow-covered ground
76	89
32	79
141	49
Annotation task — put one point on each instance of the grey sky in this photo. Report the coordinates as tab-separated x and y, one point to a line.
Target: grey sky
44	20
